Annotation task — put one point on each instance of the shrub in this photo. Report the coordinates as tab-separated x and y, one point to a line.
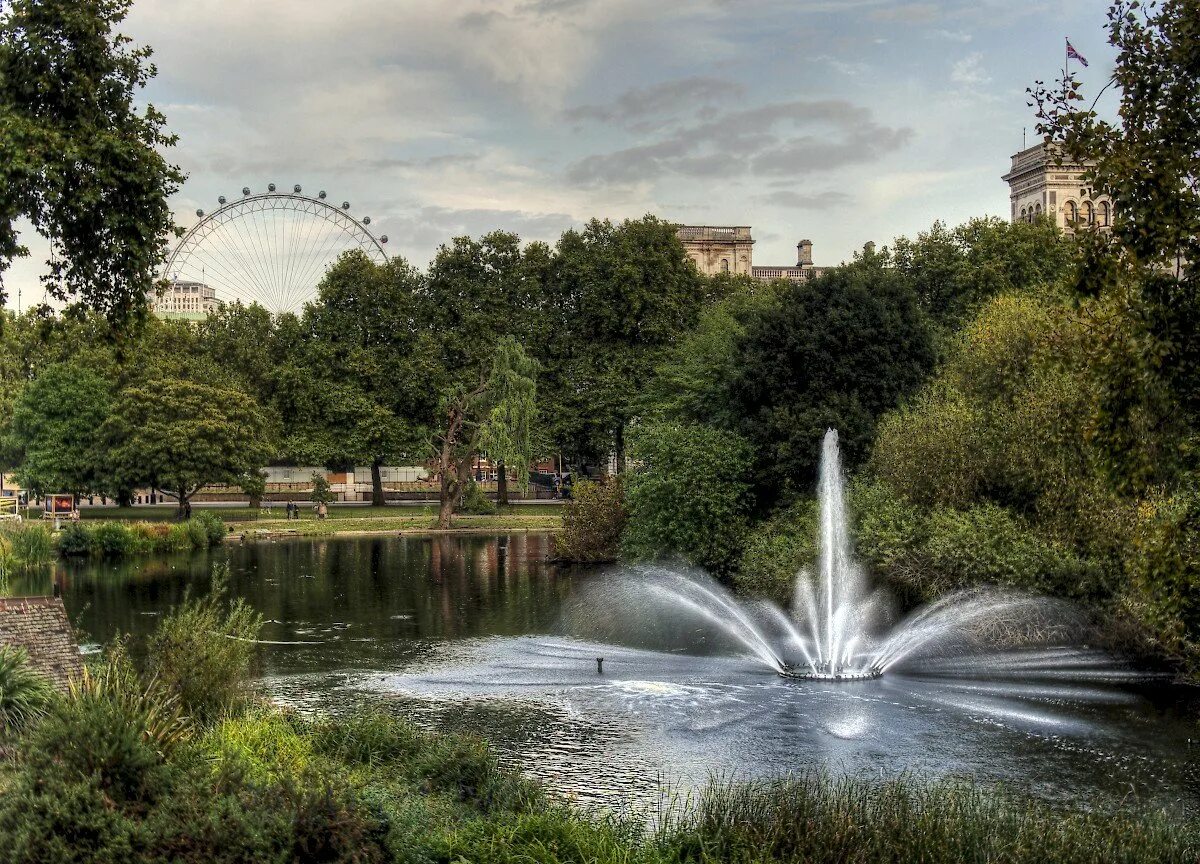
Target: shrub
368	738
775	551
214	528
111	729
202	652
263	745
24	694
593	520
475	502
74	540
32	545
112	540
197	534
178	539
688	494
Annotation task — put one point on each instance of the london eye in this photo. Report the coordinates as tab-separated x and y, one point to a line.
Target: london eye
270	248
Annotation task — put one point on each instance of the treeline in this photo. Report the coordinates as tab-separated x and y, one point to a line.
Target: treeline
498	348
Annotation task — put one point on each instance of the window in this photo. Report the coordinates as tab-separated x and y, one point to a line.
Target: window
1072	213
724	265
1037	212
1089	213
1105	213
1024	215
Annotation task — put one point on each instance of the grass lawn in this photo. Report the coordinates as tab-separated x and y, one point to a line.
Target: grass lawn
533	518
166	513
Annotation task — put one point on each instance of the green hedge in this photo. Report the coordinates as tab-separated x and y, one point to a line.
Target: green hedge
121	539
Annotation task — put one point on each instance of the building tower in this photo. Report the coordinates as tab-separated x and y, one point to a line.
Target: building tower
1038	187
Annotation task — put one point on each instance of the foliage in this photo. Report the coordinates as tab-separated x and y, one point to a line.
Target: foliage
475	501
179	435
202	652
112	539
776	549
322	493
77	157
506	434
74	540
592	522
24	694
254	484
29	544
688	493
835	352
1142	272
56	427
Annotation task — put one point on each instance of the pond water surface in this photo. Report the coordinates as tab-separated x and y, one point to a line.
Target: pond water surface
480	633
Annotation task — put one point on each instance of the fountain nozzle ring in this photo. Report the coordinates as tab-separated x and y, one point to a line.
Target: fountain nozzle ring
807	673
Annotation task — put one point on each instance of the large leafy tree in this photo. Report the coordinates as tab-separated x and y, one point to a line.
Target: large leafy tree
506	434
835	352
1142	274
56	427
360	393
179	436
618	297
78	159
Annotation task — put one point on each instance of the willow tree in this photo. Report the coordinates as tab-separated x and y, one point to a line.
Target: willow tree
506	434
497	412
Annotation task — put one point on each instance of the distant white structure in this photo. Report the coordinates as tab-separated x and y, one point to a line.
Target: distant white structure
1039	187
186	301
730	249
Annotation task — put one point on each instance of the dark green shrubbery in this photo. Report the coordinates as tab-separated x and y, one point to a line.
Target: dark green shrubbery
775	551
593	520
110	539
475	502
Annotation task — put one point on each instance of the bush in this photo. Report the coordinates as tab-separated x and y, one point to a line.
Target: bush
263	746
74	540
775	551
593	520
213	529
112	540
31	544
202	652
475	502
178	539
24	694
688	494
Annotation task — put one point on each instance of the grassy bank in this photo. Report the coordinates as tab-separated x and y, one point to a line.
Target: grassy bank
168	513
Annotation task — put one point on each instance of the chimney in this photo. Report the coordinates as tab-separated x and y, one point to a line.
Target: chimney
804	253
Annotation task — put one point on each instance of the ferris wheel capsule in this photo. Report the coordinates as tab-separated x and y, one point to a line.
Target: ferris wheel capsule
296	188
245	190
345	205
270	187
199	214
366	220
221	199
383	239
321	194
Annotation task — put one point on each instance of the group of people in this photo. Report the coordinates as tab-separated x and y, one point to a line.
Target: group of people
293	510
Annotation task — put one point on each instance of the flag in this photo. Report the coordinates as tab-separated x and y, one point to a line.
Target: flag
1072	54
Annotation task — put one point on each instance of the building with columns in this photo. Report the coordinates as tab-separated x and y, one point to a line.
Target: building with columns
185	301
1039	187
730	249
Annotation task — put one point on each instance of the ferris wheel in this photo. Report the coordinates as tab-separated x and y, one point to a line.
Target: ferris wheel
270	248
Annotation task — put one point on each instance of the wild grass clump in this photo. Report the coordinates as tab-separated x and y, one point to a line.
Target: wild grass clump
203	652
24	694
30	544
819	818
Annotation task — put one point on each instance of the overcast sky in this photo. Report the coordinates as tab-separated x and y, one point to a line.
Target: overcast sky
837	120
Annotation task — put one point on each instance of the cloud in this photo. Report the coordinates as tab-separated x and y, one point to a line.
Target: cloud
668	99
969	71
777	139
959	36
827	200
908	12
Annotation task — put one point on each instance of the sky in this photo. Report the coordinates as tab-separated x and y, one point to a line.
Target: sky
840	121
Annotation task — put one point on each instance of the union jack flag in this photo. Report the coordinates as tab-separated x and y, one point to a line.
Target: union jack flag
1072	54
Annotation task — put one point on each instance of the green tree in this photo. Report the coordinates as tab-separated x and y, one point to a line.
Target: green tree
322	493
688	494
617	297
835	352
359	390
180	436
507	433
254	484
1143	271
77	157
56	426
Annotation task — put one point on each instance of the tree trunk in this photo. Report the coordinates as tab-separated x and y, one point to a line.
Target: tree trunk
449	484
182	502
255	502
124	498
620	447
501	484
377	499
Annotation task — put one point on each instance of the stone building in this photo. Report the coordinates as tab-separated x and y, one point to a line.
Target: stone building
186	301
1037	187
40	626
718	248
802	272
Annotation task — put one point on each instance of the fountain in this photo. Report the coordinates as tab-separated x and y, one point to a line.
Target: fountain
838	628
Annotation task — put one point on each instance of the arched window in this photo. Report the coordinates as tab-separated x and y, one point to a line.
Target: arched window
1072	213
1037	211
1105	213
724	265
1089	213
1023	215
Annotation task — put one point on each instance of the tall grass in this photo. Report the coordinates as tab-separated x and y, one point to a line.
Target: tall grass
24	695
820	818
122	539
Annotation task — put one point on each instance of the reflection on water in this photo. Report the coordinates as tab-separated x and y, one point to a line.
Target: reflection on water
480	634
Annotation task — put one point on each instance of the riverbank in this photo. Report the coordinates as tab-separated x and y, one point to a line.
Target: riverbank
416	524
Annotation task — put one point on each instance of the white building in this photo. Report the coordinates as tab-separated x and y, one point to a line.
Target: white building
1039	187
188	301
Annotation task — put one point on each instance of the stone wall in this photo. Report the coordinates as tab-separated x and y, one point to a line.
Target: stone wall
40	626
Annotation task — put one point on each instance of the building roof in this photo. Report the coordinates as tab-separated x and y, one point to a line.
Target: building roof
40	626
